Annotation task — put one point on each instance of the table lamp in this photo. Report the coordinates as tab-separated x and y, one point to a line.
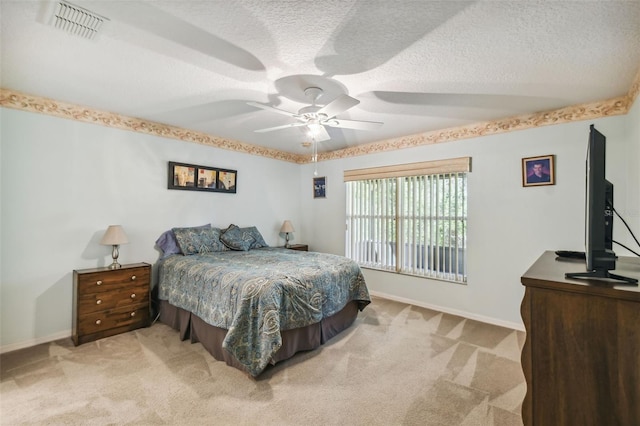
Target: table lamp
287	228
114	237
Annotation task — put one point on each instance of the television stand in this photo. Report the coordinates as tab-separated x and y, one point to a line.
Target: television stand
581	357
601	274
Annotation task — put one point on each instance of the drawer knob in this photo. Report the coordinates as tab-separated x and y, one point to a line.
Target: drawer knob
133	278
133	295
98	302
99	282
98	322
133	314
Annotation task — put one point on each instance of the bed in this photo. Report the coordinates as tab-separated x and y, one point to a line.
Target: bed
253	308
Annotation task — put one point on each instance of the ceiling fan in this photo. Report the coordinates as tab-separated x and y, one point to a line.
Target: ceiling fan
317	117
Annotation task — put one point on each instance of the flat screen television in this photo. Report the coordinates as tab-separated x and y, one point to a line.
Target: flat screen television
599	255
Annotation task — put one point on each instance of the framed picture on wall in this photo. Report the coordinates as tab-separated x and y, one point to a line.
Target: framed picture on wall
201	178
227	180
538	171
182	176
320	187
207	178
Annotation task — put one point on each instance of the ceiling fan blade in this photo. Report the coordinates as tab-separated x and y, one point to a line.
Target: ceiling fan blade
338	105
285	126
273	109
352	124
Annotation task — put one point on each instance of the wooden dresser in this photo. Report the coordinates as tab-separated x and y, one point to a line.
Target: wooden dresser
581	357
110	301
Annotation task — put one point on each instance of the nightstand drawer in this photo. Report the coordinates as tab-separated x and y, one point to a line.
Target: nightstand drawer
135	317
98	282
299	247
123	298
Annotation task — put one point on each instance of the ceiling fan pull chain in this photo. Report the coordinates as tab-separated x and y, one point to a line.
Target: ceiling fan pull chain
314	157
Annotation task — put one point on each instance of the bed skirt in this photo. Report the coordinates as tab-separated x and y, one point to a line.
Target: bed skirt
306	338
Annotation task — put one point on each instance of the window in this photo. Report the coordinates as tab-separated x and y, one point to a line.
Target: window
410	219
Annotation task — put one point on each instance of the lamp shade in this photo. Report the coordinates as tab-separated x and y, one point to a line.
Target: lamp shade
287	227
114	236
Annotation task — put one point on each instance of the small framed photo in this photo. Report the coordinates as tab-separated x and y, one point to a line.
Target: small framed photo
320	187
182	176
227	180
538	171
201	178
207	178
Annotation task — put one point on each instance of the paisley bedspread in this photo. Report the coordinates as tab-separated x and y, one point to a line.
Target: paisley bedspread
255	294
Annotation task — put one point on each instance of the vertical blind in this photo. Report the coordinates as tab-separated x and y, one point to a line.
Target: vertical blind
371	216
410	224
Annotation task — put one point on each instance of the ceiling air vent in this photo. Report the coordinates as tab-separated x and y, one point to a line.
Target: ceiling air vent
77	20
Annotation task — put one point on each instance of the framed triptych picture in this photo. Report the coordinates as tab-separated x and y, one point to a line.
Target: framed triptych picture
201	178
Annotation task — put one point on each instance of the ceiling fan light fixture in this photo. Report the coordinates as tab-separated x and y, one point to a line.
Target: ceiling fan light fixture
314	119
314	130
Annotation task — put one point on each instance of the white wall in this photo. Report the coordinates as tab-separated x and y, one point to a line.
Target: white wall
509	225
632	167
63	182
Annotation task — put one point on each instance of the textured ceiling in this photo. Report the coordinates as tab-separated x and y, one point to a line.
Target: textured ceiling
416	66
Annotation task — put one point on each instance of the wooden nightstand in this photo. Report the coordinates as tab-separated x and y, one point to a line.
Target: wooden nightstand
110	301
299	247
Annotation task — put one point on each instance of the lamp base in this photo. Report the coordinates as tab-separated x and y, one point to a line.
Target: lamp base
286	241
114	255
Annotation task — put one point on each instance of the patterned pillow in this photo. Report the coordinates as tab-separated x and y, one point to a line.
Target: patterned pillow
168	243
258	240
237	239
217	233
197	240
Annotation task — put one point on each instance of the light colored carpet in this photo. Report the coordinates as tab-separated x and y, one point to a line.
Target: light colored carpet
397	365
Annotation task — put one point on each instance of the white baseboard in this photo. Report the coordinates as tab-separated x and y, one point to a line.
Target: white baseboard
464	314
33	342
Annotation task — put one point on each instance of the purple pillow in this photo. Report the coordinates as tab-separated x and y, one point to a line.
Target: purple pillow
168	243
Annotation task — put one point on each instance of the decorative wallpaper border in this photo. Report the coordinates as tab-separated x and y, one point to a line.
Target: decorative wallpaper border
21	101
611	107
616	106
634	90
